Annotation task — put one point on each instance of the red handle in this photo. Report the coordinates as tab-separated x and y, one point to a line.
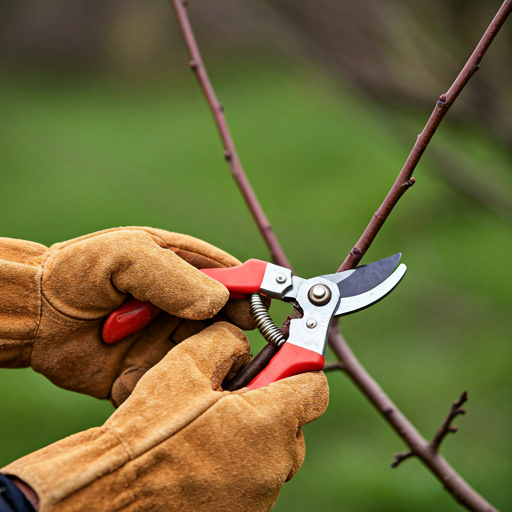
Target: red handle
134	314
242	280
289	361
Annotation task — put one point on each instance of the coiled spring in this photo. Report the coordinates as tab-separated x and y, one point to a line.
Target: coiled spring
265	324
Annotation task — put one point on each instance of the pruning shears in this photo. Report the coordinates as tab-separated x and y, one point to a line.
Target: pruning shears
317	301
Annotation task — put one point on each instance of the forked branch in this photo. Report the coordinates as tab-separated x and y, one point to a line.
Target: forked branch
445	429
418	445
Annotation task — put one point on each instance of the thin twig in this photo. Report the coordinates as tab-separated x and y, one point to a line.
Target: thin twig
331	367
404	180
400	457
447	427
230	153
449	478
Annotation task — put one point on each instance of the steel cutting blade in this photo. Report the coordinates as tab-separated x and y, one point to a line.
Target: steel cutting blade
364	278
348	305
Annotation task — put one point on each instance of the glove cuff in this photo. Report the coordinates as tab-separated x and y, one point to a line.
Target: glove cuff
20	303
58	472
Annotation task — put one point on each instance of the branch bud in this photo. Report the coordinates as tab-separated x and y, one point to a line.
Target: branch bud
441	102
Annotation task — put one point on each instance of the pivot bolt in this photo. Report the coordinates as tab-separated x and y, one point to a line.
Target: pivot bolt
319	294
281	278
311	323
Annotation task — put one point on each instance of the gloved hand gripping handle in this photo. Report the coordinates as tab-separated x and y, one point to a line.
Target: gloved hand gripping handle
134	314
241	281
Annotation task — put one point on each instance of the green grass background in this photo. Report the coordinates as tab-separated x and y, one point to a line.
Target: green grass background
80	154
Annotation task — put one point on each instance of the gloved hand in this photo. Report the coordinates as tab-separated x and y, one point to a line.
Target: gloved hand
181	443
54	303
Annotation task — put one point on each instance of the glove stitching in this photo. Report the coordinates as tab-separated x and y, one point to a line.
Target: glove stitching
171	247
125	446
41	295
219	395
138	228
164	245
133	456
66	315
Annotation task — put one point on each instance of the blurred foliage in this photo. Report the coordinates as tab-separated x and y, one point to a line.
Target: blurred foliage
400	52
83	151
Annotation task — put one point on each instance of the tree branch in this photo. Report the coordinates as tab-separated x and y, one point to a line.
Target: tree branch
404	180
230	153
419	446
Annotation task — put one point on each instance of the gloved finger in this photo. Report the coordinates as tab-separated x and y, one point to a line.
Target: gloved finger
189	328
183	385
198	253
304	397
152	345
203	255
238	312
289	404
105	267
200	363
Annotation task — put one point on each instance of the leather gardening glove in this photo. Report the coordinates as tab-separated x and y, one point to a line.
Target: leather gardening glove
54	303
181	443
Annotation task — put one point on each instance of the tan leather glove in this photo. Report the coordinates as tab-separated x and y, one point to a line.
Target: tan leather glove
54	303
181	443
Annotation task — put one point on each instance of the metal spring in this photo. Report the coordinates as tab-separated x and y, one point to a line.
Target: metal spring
265	324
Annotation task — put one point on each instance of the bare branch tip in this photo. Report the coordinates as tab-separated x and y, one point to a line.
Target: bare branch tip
329	367
400	457
462	398
447	427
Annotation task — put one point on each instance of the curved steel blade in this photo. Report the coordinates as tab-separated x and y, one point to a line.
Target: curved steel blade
355	303
364	278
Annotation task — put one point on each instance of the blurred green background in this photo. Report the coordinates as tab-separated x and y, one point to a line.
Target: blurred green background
102	125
